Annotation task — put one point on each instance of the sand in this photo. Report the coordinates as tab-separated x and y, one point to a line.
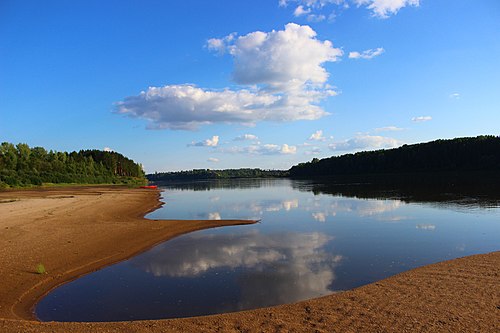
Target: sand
75	231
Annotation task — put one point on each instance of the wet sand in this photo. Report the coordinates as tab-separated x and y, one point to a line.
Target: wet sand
74	231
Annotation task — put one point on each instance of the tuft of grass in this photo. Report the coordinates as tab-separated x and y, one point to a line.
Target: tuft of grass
40	269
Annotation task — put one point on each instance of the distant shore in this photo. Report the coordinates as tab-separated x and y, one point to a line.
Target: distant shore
76	230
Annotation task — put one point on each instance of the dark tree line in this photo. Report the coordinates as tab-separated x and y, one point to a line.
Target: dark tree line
198	174
21	165
481	153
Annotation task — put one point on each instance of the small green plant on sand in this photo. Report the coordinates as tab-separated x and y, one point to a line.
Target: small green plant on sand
40	269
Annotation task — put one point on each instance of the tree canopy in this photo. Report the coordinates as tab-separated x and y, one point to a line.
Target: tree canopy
461	154
197	174
21	165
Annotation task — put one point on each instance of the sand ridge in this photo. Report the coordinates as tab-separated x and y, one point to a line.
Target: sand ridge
77	230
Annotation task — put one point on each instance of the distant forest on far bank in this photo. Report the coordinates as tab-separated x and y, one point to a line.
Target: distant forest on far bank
197	174
480	153
22	166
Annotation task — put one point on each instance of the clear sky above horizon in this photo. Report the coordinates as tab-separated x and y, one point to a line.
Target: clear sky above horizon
227	84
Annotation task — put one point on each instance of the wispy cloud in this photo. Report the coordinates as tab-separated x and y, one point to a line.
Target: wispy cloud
385	8
420	119
455	96
246	137
389	129
316	17
365	142
213	142
313	151
378	8
261	149
299	11
367	54
213	160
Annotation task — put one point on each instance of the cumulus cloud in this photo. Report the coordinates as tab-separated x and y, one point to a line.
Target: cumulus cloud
213	160
246	137
364	142
286	149
188	107
367	54
213	142
283	71
282	60
317	136
379	8
421	119
389	129
109	150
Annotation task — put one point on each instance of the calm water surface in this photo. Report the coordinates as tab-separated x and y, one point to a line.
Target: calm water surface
312	240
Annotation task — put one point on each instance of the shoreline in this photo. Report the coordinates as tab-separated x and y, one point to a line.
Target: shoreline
77	230
140	234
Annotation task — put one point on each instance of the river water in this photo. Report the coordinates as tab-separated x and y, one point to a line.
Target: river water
313	239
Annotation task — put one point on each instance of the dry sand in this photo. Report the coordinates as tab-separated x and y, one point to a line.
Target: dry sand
74	231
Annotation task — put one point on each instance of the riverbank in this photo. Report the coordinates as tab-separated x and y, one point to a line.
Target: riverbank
76	230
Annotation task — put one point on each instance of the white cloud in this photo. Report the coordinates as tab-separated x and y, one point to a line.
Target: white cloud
367	54
421	119
313	151
213	142
286	149
389	129
188	107
219	44
283	60
246	137
261	149
299	11
213	159
386	8
315	18
284	71
317	136
455	96
365	142
379	8
108	149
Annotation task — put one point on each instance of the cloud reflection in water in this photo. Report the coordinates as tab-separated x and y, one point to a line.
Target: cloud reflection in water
281	268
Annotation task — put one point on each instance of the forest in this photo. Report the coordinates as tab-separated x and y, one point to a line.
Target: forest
480	153
215	174
22	166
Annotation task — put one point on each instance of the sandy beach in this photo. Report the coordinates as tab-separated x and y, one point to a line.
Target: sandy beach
76	230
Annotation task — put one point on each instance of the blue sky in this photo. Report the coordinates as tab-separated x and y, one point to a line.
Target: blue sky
227	84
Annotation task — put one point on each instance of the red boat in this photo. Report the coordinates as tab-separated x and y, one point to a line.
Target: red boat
151	187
